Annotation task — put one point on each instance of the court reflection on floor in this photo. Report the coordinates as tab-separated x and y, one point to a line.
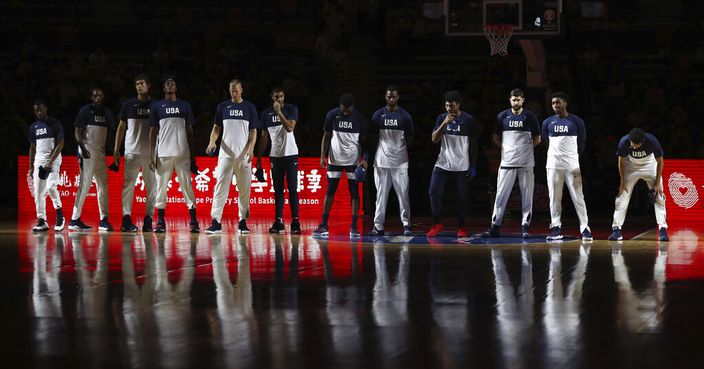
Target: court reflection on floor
177	300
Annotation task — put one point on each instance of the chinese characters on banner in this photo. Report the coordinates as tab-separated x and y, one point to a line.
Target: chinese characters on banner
311	191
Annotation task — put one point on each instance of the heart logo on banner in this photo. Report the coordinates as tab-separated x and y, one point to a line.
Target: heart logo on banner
682	190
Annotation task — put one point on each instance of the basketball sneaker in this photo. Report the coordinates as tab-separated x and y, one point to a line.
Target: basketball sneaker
493	232
435	230
376	232
295	226
407	231
78	225
462	232
616	234
555	234
587	235
105	226
662	234
214	228
60	220
127	225
41	226
278	227
524	231
321	231
242	227
147	226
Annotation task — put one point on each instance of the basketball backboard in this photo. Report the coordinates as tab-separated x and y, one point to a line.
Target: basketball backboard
530	18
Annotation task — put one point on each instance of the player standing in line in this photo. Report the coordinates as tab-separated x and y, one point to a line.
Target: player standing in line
46	138
456	132
92	124
517	133
342	148
171	146
566	136
237	119
280	120
640	156
391	161
134	120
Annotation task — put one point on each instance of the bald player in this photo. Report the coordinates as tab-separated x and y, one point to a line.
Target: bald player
517	133
237	120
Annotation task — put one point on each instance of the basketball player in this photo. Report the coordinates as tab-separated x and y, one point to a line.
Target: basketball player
565	136
46	138
455	130
391	161
92	124
134	129
342	148
280	120
171	146
238	121
517	133
640	156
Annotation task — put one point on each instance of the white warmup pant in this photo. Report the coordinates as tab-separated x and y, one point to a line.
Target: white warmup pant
93	168
242	169
133	163
384	178
42	187
165	167
504	185
634	173
557	178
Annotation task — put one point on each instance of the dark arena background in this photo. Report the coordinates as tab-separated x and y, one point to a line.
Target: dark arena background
71	299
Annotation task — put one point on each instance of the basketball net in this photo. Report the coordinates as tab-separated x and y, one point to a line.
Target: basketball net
498	36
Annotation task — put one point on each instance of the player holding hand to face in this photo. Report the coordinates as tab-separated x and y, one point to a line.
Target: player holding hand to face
455	130
280	120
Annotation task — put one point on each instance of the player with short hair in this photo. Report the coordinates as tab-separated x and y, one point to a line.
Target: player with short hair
566	136
238	121
343	148
134	129
640	156
280	120
391	160
91	129
46	138
517	133
171	146
456	131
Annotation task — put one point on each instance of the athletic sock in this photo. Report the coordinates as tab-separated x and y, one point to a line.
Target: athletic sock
192	213
325	219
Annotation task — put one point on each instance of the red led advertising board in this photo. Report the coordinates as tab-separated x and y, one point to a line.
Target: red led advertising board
683	182
312	185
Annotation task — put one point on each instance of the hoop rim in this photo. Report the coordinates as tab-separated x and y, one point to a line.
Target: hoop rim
498	28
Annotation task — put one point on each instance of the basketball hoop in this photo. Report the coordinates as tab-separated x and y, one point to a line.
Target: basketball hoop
498	36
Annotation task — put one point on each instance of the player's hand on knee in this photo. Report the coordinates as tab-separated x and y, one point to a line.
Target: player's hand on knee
323	163
85	154
363	163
